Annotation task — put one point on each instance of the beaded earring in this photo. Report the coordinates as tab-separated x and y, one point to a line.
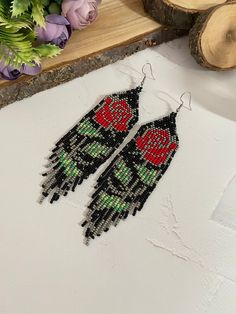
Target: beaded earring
125	185
91	142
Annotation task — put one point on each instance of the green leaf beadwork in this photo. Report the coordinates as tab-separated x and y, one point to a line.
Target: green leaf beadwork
148	176
123	173
86	128
70	167
96	149
113	202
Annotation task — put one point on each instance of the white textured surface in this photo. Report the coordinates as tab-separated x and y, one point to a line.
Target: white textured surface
171	258
225	212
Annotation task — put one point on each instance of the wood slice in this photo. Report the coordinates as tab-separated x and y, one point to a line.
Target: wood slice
212	40
122	29
180	14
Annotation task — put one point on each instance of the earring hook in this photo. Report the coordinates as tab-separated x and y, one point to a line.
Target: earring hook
144	73
182	102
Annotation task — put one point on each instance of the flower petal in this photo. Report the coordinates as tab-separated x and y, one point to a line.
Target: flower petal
56	19
31	70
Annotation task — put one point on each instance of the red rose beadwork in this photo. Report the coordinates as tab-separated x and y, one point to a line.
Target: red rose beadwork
156	145
114	113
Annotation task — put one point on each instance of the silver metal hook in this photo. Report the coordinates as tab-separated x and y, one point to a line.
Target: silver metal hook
182	102
145	75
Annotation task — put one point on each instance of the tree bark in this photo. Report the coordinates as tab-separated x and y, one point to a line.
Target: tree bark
176	13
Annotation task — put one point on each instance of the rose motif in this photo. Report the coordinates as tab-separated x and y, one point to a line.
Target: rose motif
80	13
8	72
114	113
57	30
156	145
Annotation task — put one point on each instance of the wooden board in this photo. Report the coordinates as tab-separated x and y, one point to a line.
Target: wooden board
121	29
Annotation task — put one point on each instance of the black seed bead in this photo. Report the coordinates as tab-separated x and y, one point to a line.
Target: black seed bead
84	223
87	233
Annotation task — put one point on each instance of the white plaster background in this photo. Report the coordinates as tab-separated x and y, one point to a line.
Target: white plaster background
171	258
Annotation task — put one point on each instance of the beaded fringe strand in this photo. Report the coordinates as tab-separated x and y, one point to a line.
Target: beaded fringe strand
131	177
90	143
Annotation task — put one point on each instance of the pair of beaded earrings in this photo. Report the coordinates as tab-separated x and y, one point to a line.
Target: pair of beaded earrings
125	185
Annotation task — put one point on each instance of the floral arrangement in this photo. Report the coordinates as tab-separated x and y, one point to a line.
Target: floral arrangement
34	29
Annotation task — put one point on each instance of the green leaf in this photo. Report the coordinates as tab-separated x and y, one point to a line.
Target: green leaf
20	6
146	175
16	48
96	149
37	12
46	2
7	21
47	51
17	34
34	7
123	173
86	128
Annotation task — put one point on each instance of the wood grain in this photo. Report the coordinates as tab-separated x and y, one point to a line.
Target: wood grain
212	40
121	29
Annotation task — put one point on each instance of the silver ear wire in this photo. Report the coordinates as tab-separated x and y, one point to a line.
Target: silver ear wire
144	73
182	102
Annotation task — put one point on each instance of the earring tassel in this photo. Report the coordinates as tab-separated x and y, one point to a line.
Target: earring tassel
126	184
90	143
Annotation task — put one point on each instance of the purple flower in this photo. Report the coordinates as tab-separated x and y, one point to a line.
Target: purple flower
80	13
8	72
57	30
